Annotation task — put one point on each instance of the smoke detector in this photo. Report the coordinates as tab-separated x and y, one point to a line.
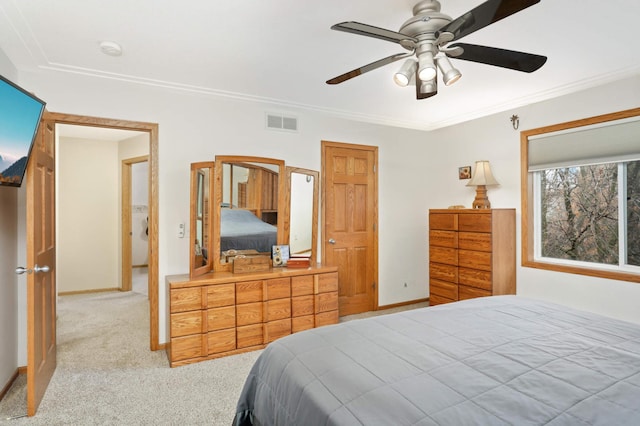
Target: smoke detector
110	48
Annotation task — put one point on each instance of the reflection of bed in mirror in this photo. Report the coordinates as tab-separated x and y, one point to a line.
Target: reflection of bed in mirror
242	230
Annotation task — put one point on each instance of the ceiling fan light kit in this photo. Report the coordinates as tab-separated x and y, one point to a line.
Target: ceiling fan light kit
405	74
426	67
449	74
426	36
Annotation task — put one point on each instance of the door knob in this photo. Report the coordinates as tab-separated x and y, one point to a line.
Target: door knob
37	269
21	270
332	241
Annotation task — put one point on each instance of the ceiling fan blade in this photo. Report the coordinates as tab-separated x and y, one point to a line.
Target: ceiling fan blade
487	13
519	61
369	67
405	41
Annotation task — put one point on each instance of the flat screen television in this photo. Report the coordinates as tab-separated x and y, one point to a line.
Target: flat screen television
20	114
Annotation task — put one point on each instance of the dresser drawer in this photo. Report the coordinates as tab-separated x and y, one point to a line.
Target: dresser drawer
302	323
186	323
249	335
474	241
434	299
465	292
221	318
448	256
474	259
475	222
186	299
275	329
277	309
302	305
302	286
444	221
324	283
443	239
277	288
327	318
444	289
249	291
475	278
249	313
443	272
221	341
221	295
186	347
325	302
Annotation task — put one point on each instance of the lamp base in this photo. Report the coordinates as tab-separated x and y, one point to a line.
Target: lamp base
481	201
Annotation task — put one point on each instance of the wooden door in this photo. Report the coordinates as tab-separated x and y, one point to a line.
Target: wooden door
41	285
349	217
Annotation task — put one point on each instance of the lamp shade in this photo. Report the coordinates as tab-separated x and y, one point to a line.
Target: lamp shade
482	175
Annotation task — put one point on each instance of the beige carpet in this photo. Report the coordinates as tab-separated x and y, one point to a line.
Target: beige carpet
106	374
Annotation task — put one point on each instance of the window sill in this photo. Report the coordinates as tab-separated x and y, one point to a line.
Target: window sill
592	272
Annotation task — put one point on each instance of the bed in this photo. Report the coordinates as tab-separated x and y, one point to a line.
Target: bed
501	360
242	230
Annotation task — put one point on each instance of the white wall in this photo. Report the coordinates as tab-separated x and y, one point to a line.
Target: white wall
88	216
417	170
494	139
8	262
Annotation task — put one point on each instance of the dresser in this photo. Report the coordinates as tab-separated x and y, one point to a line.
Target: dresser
472	253
222	313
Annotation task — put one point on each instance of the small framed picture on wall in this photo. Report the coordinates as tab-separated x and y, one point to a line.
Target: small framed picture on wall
464	172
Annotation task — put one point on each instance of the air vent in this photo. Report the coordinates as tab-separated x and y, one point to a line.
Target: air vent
281	122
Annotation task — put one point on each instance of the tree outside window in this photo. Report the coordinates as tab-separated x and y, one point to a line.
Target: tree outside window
580	213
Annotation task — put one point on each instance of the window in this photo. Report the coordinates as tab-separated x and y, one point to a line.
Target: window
581	197
589	214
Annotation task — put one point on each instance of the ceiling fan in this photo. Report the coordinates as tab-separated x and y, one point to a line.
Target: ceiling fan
427	34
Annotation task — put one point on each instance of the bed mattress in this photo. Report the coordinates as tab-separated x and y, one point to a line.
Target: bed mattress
502	360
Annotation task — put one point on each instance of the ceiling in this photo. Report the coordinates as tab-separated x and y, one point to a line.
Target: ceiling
283	51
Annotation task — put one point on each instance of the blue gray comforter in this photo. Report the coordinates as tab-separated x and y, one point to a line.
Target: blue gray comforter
502	360
242	230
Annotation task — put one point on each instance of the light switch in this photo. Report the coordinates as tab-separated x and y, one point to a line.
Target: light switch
181	230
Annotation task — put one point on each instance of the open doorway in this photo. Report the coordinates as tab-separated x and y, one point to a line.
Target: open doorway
151	129
135	224
92	197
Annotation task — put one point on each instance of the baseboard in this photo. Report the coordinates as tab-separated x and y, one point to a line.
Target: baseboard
6	388
97	290
398	305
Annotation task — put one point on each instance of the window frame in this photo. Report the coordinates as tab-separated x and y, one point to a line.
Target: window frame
529	217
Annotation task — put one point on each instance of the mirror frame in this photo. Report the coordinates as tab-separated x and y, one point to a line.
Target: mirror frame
195	270
314	225
217	197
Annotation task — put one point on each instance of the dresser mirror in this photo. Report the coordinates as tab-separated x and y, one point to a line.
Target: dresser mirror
250	197
303	212
243	205
200	261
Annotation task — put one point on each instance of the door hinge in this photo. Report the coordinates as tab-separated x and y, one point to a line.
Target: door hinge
373	286
374	226
374	168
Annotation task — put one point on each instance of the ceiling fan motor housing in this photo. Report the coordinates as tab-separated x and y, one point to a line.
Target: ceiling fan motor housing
424	24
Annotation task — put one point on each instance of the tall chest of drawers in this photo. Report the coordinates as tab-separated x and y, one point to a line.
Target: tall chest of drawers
221	314
472	253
